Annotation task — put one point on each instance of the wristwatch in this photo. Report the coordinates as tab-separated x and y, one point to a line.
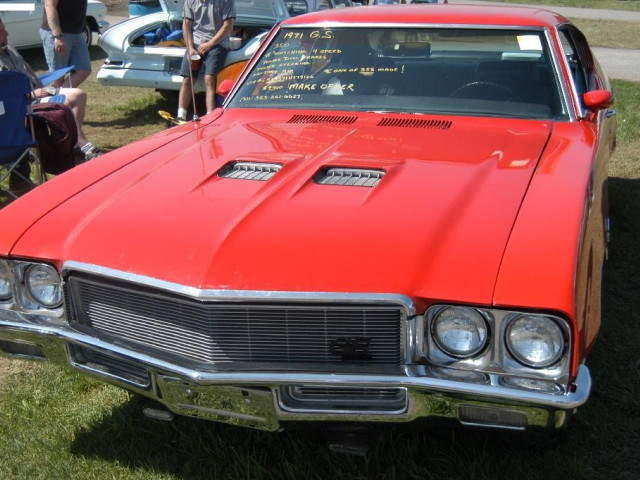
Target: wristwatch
59	37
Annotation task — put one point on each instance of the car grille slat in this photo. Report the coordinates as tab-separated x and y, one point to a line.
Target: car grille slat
225	331
349	177
250	171
415	123
341	119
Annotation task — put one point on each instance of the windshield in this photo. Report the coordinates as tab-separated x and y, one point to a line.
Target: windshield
423	70
258	8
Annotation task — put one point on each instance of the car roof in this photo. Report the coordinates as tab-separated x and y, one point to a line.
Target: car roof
413	14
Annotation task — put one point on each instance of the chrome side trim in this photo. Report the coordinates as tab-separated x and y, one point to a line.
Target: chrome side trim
558	75
448	26
241	295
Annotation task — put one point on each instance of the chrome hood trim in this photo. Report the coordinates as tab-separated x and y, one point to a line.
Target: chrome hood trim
240	295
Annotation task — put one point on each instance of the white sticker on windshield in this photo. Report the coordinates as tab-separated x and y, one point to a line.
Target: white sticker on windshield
529	42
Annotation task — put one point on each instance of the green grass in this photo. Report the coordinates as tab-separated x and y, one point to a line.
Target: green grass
598	32
58	424
632	5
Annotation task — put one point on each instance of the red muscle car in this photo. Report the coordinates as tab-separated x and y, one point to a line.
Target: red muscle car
399	213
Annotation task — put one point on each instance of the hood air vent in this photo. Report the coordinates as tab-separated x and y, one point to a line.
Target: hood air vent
249	171
349	177
342	119
415	123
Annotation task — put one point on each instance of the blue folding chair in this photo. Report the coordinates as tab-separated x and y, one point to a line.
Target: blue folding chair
50	77
18	147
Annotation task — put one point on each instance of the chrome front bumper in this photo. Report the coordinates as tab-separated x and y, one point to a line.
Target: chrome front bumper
257	399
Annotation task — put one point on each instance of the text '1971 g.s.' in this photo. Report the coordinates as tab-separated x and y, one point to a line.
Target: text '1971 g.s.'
398	214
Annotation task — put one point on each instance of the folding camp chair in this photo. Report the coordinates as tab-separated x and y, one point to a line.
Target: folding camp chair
50	77
17	141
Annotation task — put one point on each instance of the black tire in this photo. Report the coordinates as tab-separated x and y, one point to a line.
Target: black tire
88	34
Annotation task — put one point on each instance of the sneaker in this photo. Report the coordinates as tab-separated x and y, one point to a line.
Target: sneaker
92	153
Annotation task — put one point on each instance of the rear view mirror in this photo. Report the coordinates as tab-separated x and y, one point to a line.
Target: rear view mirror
225	87
297	7
597	99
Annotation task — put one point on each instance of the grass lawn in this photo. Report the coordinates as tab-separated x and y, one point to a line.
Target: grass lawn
598	32
57	424
632	5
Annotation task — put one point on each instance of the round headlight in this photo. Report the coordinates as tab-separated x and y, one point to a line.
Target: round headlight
535	341
459	332
5	281
44	285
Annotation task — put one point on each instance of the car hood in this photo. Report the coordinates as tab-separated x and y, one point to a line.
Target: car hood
434	227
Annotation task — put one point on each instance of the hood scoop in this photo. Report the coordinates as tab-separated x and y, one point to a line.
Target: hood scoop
325	119
415	123
349	177
250	171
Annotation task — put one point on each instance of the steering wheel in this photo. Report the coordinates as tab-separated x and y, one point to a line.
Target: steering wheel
499	91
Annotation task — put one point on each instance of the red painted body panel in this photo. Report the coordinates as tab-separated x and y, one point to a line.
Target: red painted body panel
435	14
434	229
25	211
539	260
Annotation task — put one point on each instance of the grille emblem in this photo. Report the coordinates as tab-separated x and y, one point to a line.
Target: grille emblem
351	349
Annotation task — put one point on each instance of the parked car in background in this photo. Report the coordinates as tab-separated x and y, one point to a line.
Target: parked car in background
298	7
147	51
399	213
24	25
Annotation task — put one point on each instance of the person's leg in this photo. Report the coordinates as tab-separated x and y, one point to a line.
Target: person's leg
78	56
210	86
76	100
184	97
213	63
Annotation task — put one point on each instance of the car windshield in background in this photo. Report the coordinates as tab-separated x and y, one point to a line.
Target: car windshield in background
426	70
256	8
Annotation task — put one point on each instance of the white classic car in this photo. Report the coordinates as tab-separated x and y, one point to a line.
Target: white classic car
147	51
23	18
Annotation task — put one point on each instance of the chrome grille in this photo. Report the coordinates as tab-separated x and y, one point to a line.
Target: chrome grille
223	331
349	177
363	399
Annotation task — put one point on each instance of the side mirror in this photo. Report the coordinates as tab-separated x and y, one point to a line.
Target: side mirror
597	100
225	87
297	7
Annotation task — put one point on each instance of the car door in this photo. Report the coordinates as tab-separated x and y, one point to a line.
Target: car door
23	25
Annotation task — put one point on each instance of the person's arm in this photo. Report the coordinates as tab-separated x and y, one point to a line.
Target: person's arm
32	74
51	10
187	31
227	27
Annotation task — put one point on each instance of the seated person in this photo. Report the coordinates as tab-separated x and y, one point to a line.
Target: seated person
74	98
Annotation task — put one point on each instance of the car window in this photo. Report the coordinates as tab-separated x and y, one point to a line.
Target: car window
576	62
452	70
258	8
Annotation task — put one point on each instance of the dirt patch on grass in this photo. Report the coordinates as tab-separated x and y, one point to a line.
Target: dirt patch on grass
117	7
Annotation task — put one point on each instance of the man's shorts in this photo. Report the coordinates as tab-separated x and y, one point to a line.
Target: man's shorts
213	61
76	53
